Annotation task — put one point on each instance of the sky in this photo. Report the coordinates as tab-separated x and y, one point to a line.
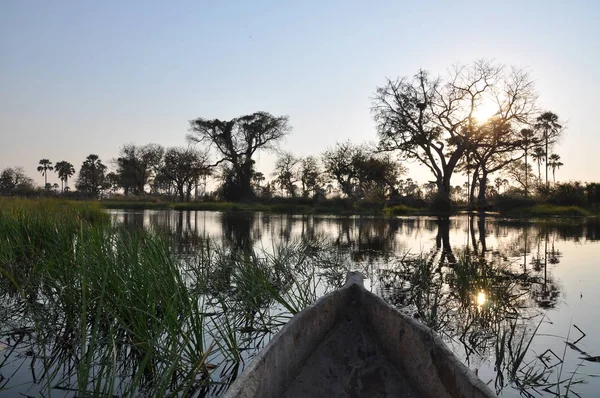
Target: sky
81	77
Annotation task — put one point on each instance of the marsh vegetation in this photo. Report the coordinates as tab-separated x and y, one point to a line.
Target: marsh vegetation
172	303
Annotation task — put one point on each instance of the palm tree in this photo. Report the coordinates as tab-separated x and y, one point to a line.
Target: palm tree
554	163
43	168
547	122
539	155
527	139
64	170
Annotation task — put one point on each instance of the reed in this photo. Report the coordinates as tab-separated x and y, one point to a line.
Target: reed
109	311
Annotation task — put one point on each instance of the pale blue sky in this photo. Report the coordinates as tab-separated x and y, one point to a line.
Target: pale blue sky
81	77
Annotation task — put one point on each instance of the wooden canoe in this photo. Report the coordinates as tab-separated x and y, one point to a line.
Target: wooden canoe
350	343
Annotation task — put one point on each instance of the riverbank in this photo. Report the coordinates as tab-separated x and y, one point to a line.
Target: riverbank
347	208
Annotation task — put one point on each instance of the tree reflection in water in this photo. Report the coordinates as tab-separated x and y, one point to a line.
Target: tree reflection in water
486	296
488	304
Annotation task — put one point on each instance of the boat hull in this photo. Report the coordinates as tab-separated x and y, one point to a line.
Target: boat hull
352	343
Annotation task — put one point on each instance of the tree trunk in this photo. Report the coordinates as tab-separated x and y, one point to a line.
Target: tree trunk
180	192
482	188
442	199
526	173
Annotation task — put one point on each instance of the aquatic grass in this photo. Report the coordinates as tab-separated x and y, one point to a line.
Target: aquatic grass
120	300
112	311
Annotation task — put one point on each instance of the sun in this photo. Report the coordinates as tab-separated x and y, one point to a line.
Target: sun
484	111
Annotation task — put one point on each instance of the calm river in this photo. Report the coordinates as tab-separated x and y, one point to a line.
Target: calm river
516	301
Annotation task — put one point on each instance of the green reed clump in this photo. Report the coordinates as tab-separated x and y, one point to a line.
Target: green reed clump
110	310
113	313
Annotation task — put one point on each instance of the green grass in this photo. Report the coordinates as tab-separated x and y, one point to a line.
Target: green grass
543	210
111	310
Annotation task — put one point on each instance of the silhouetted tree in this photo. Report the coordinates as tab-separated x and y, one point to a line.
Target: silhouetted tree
433	120
236	142
551	130
539	155
65	170
311	176
44	167
14	179
518	173
340	166
286	173
554	163
136	165
92	176
184	167
360	173
527	139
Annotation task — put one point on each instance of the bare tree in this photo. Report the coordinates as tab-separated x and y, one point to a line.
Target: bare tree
311	176
434	121
286	172
236	141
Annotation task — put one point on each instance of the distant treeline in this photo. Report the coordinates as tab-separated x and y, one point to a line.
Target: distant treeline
481	120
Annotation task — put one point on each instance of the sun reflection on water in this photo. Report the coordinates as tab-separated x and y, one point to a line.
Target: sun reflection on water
481	299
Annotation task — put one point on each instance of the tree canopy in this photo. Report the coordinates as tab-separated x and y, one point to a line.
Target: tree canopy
433	120
235	142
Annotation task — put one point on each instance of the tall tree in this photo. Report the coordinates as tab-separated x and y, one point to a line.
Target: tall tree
286	172
136	165
236	141
551	130
339	164
555	163
435	121
92	176
311	176
184	167
527	139
44	166
65	171
539	155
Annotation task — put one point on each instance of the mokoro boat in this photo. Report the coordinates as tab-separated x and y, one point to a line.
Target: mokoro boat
351	343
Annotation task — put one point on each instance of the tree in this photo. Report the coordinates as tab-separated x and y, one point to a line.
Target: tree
286	173
65	170
184	167
434	121
517	172
539	155
236	141
360	173
499	183
136	165
92	176
339	164
551	129
554	163
310	176
44	166
527	139
496	147
14	179
378	176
